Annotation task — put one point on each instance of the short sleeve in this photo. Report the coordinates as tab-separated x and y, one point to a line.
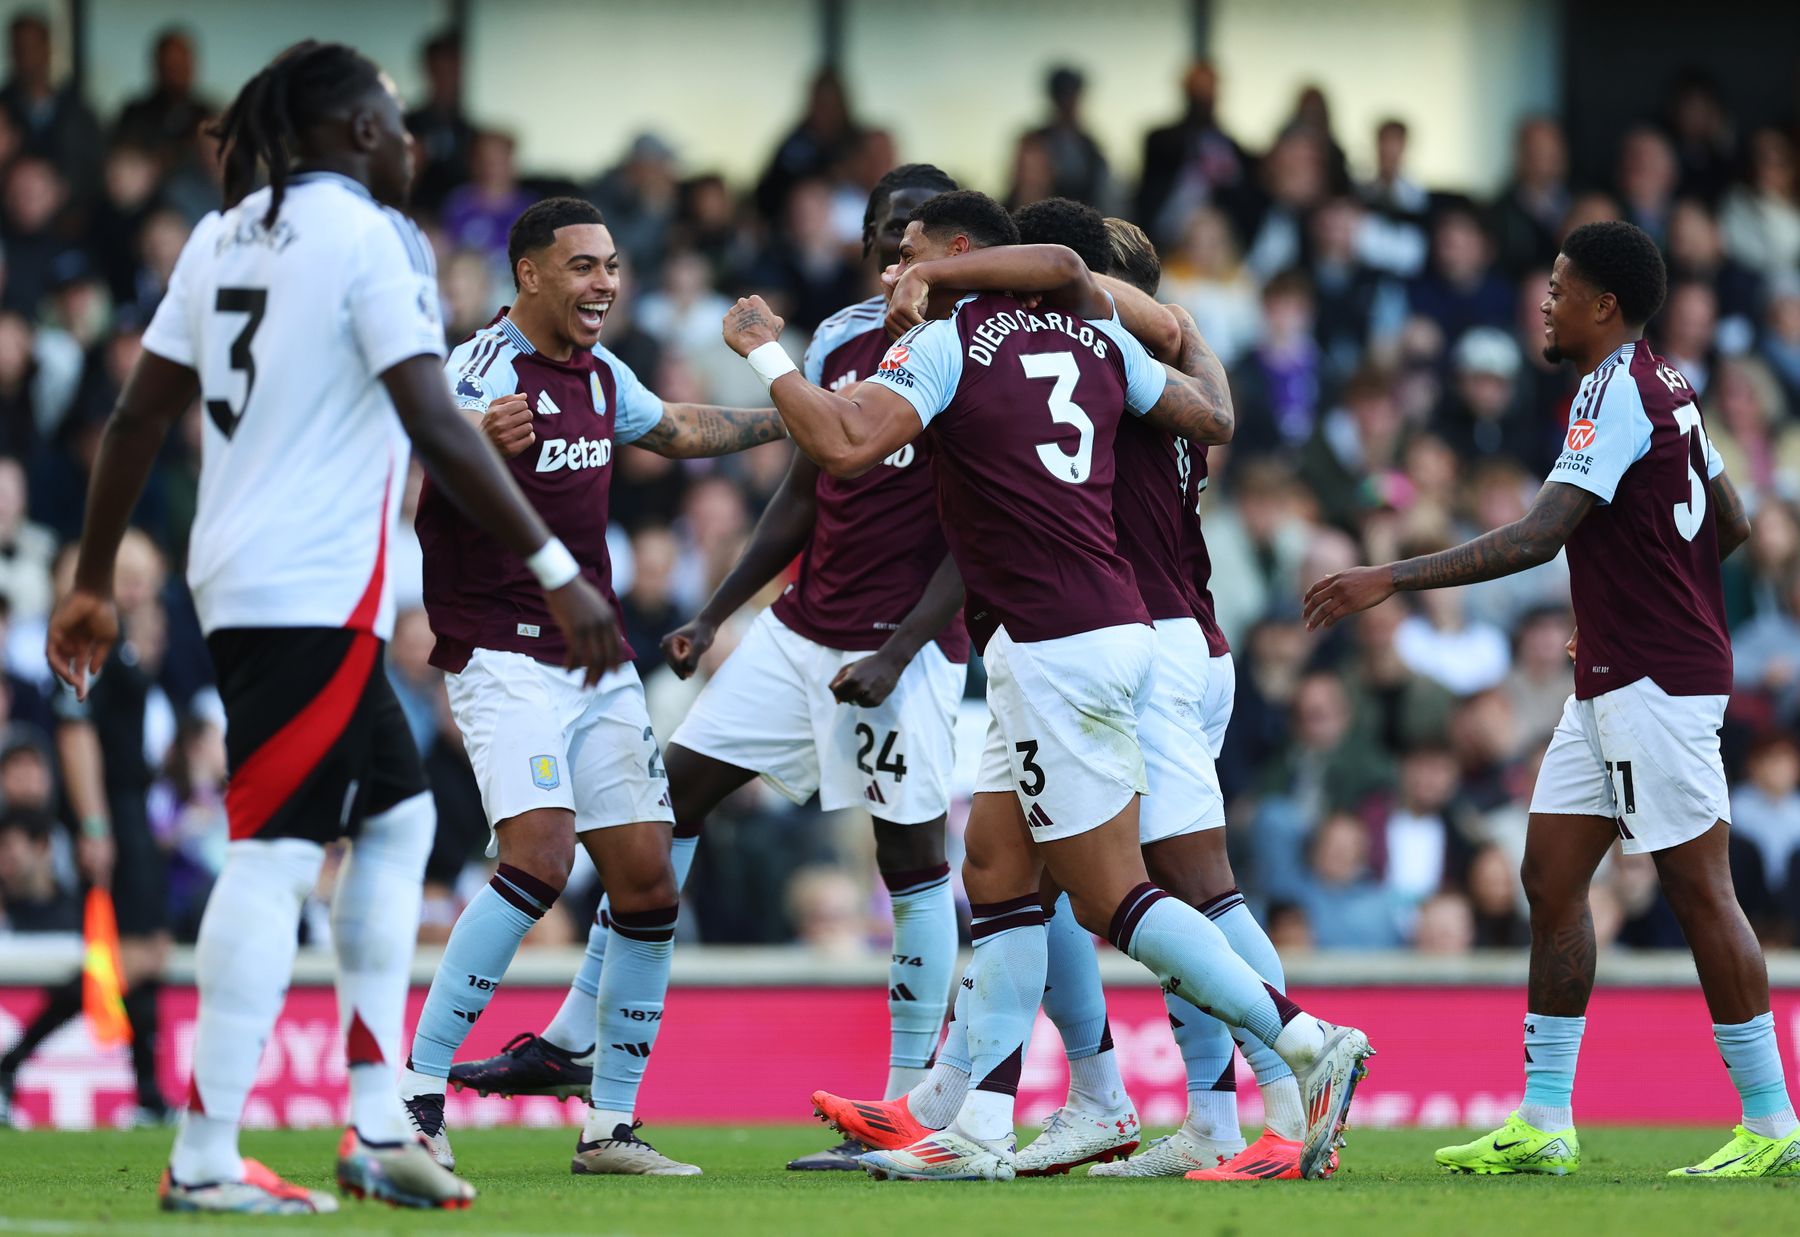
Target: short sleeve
924	367
812	361
640	409
472	391
1605	441
1145	377
1715	463
171	334
393	300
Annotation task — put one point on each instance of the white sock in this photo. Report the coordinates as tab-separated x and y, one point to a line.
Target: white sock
244	959
901	1079
413	1083
1300	1042
986	1116
374	926
572	1029
935	1099
1095	1085
1548	1117
1282	1114
601	1122
1213	1115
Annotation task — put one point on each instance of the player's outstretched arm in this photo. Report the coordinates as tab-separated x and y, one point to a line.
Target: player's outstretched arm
458	458
1728	509
694	431
85	625
1529	541
1054	272
845	437
870	681
778	538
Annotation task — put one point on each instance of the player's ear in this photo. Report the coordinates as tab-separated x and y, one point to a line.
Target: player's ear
1606	305
960	244
525	275
365	130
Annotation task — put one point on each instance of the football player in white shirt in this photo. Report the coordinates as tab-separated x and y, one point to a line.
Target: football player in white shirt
304	317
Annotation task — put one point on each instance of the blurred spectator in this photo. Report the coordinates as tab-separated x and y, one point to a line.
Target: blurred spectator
1766	654
166	121
1445	925
1206	277
647	611
1482	414
1705	147
1278	388
1293	178
1749	425
35	196
472	295
1355	307
1761	218
1191	163
1528	216
187	817
1392	235
826	134
639	197
1461	289
1419	849
443	132
1076	165
1344	902
27	550
479	214
1765	809
810	272
1781	339
53	122
1329	765
1541	678
31	897
684	313
1684	333
1648	178
1441	643
1697	255
1495	897
1355	450
1312	115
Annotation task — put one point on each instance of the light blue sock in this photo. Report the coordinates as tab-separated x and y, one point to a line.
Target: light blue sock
1076	1002
954	1051
935	1098
1552	1045
1008	984
481	947
1252	944
633	985
1753	1059
575	1028
921	966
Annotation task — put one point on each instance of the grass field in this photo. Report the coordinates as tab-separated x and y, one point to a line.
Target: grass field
106	1182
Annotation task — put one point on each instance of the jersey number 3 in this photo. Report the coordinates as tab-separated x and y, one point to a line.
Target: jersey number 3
1064	411
251	302
1690	515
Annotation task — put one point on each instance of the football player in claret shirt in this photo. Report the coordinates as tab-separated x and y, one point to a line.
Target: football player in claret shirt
556	759
1025	498
1640	501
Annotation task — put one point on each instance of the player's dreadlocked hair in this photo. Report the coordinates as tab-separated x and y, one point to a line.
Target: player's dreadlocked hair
975	215
1133	256
1064	221
298	89
906	176
536	228
1620	258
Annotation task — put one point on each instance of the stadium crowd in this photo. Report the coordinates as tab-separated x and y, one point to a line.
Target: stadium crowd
1383	340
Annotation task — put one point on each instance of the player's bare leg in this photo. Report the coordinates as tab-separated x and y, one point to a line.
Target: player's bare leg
1696	878
1004	984
635	867
558	1061
1562	852
1103	870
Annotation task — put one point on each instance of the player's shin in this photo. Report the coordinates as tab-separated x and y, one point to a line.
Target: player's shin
374	925
1282	1113
1552	1046
633	986
1006	985
481	947
575	1028
1209	1053
1076	1003
920	971
244	958
936	1098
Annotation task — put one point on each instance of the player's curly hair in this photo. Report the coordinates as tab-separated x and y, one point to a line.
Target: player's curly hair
536	227
1620	258
1134	258
1064	221
906	176
974	215
304	85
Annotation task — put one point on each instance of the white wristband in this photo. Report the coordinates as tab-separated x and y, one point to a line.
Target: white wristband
553	565
770	361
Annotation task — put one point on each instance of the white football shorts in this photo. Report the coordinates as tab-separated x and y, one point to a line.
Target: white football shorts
769	709
1647	760
1182	730
537	738
1063	725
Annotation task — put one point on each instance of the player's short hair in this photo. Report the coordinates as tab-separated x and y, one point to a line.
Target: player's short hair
974	215
536	227
906	176
1064	221
1134	258
301	87
1620	258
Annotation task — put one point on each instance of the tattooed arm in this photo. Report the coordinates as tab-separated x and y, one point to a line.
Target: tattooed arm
1196	360
687	431
1734	525
1526	542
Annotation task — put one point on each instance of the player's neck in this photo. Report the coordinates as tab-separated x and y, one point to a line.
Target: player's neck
541	333
1606	347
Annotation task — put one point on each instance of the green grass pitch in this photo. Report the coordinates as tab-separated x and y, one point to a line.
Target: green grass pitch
106	1183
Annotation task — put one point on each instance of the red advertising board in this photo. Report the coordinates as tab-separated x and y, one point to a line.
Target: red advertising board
1448	1056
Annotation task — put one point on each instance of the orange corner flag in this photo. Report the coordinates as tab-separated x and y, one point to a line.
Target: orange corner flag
102	985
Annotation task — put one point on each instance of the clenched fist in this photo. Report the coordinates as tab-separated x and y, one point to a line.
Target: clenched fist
507	424
749	324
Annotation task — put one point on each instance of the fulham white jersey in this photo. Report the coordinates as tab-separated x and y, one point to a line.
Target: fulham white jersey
303	459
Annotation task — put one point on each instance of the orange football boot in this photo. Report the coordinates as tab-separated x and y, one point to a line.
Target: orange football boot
1269	1158
881	1125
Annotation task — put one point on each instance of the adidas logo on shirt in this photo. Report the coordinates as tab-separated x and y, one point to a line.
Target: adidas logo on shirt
546	407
